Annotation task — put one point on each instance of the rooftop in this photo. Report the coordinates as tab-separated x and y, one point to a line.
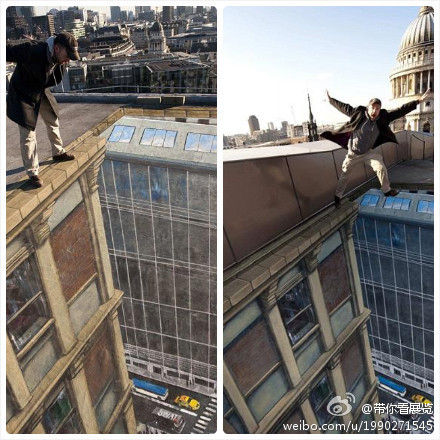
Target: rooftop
79	113
270	191
75	119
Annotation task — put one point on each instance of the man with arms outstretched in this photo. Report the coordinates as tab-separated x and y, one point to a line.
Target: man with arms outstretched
367	128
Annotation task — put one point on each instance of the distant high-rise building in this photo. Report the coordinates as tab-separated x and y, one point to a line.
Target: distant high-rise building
167	14
284	125
394	242
115	13
158	203
200	9
44	24
271	126
254	125
124	16
189	9
180	11
27	12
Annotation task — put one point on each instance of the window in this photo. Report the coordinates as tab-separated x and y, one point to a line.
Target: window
264	398
353	369
397	203
158	137
121	133
38	361
254	362
297	311
335	283
425	206
60	416
106	404
232	418
342	317
369	200
26	308
320	395
201	142
84	307
308	353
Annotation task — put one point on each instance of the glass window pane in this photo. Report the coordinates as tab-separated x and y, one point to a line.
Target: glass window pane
147	136
84	307
329	246
296	311
39	360
307	355
388	202
205	142
405	204
57	412
119	427
116	133
170	138
264	398
70	426
397	203
192	142
21	285
341	318
251	356
422	206
27	324
214	144
106	405
159	137
236	423
126	134
240	322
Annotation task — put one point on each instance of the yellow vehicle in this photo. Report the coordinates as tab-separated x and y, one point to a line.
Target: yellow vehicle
187	402
421	399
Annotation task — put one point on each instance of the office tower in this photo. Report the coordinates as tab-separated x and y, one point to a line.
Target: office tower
394	239
254	125
158	194
115	13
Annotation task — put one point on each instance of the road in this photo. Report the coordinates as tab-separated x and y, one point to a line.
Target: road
202	421
424	421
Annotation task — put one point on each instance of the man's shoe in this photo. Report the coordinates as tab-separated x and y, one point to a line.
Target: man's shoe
337	201
392	193
63	157
36	181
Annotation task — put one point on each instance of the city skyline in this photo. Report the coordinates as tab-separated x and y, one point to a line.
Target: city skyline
322	66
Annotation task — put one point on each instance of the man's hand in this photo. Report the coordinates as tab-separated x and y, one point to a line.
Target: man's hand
425	95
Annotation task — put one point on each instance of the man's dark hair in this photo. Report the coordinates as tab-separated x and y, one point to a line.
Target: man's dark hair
375	101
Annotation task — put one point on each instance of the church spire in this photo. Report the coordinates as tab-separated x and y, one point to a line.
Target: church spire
311	125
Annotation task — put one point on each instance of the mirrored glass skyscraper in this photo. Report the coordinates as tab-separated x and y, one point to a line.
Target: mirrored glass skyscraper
394	239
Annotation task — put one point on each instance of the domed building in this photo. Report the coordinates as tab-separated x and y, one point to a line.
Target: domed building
157	41
414	73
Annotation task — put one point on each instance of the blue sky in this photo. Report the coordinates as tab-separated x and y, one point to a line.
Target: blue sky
274	56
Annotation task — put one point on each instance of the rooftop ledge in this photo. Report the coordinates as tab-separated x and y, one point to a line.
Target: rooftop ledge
24	203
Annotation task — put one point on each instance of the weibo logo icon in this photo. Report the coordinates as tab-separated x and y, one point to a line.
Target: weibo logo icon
339	406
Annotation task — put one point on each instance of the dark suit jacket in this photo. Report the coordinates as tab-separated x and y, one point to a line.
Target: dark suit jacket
357	117
30	82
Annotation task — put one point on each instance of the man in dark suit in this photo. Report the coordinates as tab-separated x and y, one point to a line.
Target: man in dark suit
40	65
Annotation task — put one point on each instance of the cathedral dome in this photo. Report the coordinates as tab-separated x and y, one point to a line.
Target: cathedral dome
420	32
157	27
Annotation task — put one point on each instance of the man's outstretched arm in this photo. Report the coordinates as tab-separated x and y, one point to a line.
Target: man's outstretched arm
347	109
406	108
